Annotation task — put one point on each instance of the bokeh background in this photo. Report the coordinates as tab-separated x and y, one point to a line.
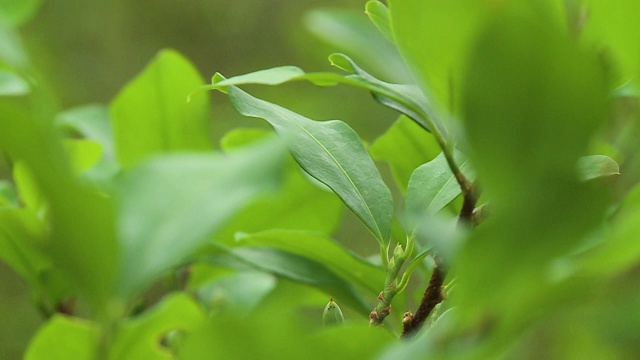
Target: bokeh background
87	50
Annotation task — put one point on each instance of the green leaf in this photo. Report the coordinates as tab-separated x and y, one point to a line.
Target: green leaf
64	338
15	13
239	293
90	121
432	187
322	249
524	143
404	146
12	85
83	154
436	38
154	104
171	205
612	27
302	270
595	166
331	152
407	99
379	15
298	204
76	213
140	337
350	32
21	237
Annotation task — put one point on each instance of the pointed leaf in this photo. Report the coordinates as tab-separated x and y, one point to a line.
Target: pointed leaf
432	187
331	152
405	98
170	205
155	105
302	270
379	15
320	248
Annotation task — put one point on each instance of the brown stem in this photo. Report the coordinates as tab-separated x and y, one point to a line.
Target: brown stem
432	297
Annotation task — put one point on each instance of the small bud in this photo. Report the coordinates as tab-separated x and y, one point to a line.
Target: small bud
398	253
332	314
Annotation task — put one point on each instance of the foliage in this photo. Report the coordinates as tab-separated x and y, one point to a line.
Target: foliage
138	239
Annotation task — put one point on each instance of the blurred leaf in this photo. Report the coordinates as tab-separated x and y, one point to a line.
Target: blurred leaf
8	194
15	13
447	30
322	249
350	32
239	293
92	122
302	270
75	212
21	235
404	146
379	15
12	85
298	204
331	152
154	104
64	338
27	187
595	166
530	105
141	337
612	27
432	187
170	205
619	252
83	154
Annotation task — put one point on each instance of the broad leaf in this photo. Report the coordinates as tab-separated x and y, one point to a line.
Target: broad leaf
404	146
595	166
140	337
331	152
169	206
65	338
151	114
322	249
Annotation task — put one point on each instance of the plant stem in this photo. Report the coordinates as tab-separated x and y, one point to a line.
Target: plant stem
432	296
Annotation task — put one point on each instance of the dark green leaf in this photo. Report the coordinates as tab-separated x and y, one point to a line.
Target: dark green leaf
331	152
323	250
302	270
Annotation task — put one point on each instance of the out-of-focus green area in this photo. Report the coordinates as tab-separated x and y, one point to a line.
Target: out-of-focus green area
87	50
